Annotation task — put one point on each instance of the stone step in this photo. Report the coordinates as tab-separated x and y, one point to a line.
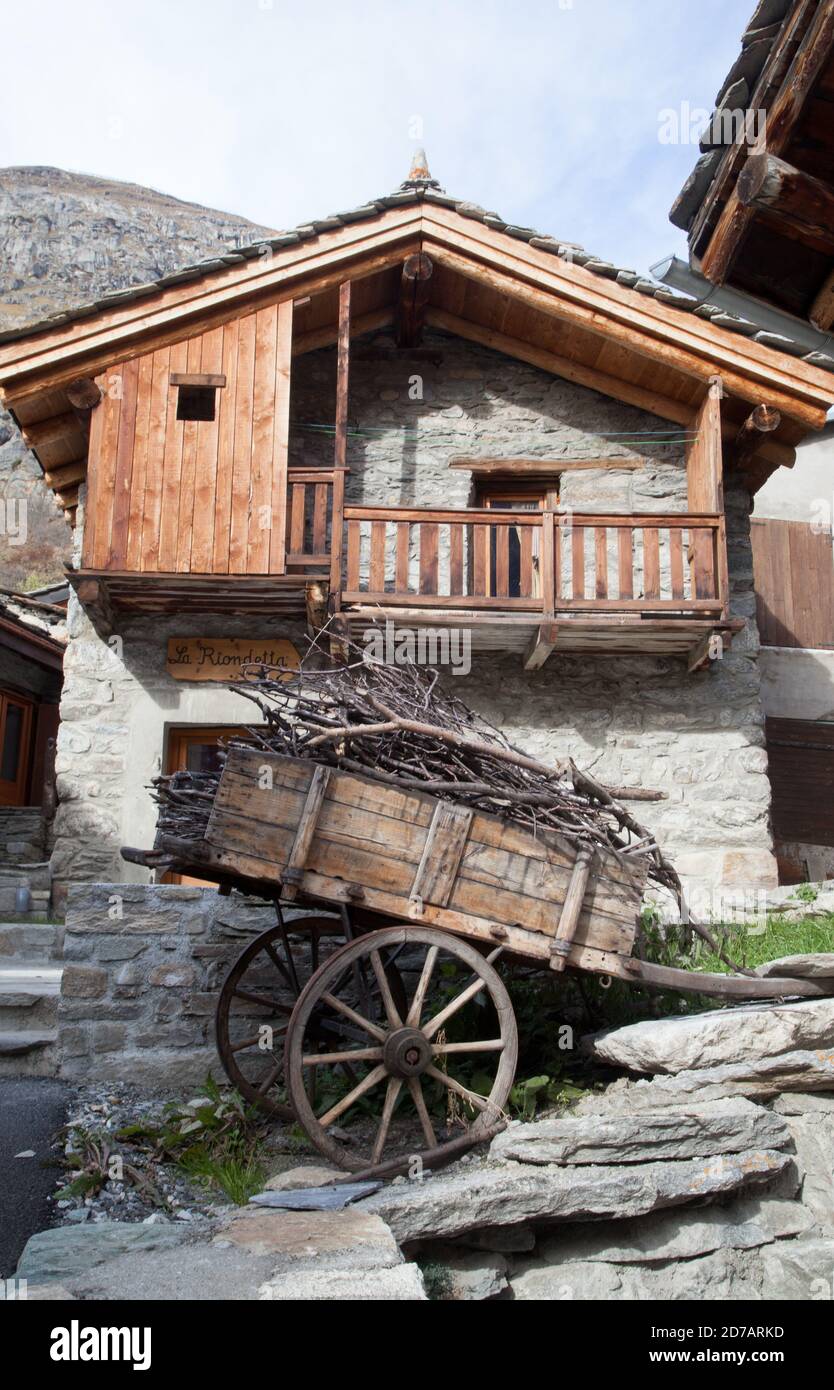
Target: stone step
29	1053
29	993
33	942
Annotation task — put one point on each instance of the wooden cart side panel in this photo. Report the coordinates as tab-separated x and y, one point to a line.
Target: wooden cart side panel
380	846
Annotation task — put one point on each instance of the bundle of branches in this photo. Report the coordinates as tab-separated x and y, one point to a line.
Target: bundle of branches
398	724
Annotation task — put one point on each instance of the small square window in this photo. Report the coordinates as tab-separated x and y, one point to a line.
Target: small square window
196	402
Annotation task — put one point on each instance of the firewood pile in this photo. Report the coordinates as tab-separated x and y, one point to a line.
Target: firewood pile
399	725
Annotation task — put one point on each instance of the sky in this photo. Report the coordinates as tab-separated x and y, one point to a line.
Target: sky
549	112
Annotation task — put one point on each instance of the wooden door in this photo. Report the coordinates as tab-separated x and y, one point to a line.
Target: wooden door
197	749
513	553
15	748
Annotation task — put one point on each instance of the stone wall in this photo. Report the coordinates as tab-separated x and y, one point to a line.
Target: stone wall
632	720
143	968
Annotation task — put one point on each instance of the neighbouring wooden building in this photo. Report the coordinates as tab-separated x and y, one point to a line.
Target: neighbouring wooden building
416	412
759	216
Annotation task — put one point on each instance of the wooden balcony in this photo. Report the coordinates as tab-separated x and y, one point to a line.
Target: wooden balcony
539	581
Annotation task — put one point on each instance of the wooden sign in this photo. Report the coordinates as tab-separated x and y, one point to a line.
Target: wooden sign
225	658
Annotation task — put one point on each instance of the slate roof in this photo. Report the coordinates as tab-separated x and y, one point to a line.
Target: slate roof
736	94
421	187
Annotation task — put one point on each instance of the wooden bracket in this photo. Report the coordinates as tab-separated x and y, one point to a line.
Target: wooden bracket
571	908
541	645
442	853
294	871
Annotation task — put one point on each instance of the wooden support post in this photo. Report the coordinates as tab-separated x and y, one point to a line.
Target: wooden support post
281	441
572	907
541	645
340	452
315	598
93	596
414	296
700	655
294	871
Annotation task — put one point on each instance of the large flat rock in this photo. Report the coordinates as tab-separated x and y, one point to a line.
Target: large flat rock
400	1285
510	1194
69	1250
690	1131
723	1036
761	1080
813	967
294	1240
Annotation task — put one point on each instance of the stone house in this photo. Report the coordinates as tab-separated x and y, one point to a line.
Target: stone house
334	426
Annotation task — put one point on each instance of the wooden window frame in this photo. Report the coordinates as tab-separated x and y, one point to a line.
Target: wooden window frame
15	793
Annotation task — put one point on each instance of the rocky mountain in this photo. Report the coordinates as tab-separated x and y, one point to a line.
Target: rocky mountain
67	239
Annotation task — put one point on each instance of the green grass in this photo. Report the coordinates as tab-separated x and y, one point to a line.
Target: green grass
751	944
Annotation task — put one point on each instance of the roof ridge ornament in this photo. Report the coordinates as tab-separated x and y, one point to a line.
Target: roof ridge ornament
419	176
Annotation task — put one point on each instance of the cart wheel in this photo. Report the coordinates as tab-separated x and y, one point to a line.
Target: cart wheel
258	997
447	1060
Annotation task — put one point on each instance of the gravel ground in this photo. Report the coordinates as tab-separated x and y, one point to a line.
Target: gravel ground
162	1193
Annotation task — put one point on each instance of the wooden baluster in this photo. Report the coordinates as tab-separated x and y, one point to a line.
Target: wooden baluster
428	558
722	570
376	572
354	543
625	562
320	518
455	559
337	524
676	560
299	502
502	561
601	559
551	561
702	563
401	573
525	578
577	541
480	560
651	562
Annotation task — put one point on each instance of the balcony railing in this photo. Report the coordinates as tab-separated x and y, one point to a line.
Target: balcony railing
538	562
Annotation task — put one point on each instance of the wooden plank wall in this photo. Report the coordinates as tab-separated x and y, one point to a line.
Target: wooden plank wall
801	766
793	565
202	497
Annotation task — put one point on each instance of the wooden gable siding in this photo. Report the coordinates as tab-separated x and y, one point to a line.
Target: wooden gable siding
187	496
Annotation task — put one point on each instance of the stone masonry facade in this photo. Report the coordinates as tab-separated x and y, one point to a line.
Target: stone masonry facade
632	720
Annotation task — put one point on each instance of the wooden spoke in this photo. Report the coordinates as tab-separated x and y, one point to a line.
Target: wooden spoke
391	1014
253	998
366	1084
271	1076
453	1007
394	1088
416	1010
452	1085
358	1054
247	1042
487	1045
278	963
363	1023
419	1099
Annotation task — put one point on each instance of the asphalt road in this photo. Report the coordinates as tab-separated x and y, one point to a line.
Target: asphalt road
31	1110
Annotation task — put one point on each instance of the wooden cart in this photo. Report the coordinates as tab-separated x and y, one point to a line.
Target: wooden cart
392	990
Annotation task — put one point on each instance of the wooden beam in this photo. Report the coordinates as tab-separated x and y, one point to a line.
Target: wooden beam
329	334
60	478
541	645
281	440
51	431
792	74
803	206
84	393
762	420
214	380
821	312
414	296
548	467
